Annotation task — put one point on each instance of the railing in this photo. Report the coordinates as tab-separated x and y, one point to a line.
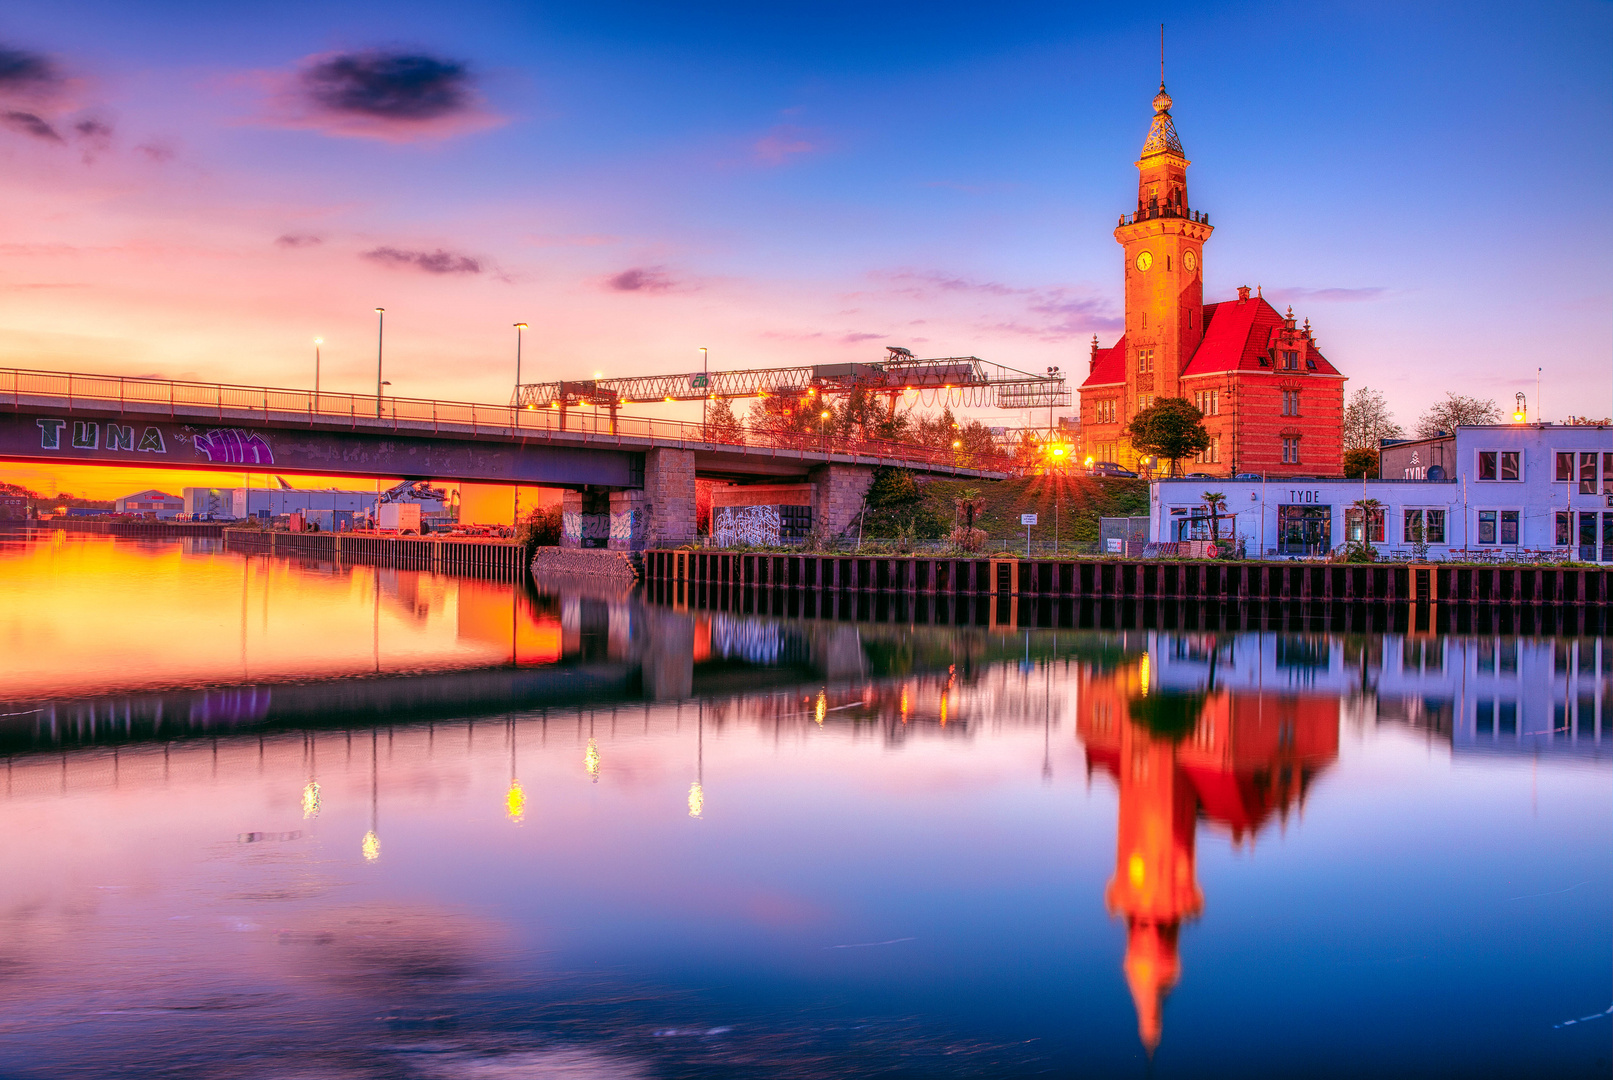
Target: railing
590	425
1146	213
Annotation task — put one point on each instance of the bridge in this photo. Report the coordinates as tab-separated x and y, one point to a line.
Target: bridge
630	480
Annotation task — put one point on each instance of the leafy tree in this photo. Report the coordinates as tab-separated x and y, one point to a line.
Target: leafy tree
1362	461
1170	428
785	414
721	423
896	508
1456	411
1367	421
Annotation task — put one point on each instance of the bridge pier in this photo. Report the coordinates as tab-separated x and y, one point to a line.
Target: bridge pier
840	492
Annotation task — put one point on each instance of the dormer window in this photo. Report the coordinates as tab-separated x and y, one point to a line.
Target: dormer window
1291	359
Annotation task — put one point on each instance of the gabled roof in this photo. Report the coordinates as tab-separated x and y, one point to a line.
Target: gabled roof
1109	369
1237	335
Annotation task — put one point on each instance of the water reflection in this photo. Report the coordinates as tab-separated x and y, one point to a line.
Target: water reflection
907	863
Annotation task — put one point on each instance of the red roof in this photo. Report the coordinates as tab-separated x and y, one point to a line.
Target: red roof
1237	336
1110	365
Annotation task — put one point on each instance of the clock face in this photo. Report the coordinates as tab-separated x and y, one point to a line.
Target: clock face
1144	260
1189	259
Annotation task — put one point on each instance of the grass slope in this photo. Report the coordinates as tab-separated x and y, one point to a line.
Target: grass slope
1081	501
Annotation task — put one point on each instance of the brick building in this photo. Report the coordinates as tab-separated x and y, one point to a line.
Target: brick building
1272	403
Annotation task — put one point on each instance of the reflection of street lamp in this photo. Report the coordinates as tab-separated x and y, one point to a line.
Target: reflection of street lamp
372	839
310	790
515	798
697	791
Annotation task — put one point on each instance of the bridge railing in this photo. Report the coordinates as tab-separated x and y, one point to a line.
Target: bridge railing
223	402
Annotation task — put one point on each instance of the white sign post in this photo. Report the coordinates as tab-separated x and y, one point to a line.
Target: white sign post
1027	520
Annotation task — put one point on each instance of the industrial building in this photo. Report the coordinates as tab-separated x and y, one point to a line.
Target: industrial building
159	504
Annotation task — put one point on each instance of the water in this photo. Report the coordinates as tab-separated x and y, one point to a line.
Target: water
272	818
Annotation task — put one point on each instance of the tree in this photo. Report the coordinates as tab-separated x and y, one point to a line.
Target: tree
1170	428
1454	412
1215	501
1367	421
1362	461
721	423
786	414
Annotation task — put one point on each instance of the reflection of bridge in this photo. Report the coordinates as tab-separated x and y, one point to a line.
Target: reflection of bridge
58	417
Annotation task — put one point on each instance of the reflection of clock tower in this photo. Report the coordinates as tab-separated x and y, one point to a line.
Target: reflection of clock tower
1164	267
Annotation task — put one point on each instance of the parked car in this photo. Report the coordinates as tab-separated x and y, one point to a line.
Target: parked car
1109	468
1197	476
1248	476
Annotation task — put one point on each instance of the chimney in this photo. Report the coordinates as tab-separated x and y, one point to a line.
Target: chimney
1243	294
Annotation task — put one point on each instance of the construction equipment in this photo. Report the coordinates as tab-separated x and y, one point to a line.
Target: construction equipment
953	380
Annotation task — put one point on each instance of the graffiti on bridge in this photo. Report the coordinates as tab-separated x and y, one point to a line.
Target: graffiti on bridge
234	446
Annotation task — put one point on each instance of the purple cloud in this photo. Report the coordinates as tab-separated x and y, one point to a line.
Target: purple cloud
28	72
852	339
641	279
432	262
378	94
31	124
302	240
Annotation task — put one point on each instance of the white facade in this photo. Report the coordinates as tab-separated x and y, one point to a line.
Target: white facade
1522	487
1482	692
151	501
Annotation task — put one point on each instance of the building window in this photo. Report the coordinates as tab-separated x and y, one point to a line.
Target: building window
1506	465
1498	526
1565	467
1291	450
1208	402
1290	402
1358	531
1145	359
1564	535
1587	474
1211	455
1290	360
1424	526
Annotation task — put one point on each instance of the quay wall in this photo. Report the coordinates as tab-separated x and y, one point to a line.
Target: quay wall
140	530
475	557
1135	580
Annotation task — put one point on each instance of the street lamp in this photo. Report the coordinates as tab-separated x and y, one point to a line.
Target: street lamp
318	341
380	338
1520	411
705	384
520	326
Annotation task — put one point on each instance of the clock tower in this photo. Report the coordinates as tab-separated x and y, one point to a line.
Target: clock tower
1164	245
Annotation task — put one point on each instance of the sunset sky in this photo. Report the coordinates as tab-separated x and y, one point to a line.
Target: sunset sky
198	191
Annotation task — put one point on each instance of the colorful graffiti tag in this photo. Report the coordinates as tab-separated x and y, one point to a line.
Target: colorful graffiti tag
745	525
87	435
234	446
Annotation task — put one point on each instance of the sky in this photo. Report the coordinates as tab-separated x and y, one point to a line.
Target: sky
199	191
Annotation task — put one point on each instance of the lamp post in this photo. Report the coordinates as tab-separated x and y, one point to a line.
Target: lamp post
318	341
380	339
705	387
520	326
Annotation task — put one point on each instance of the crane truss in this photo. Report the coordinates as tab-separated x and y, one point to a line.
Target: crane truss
955	380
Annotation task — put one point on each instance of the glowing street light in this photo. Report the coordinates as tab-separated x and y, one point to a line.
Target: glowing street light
318	341
1520	412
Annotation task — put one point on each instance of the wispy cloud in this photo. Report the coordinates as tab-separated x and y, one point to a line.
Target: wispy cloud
782	143
395	96
302	240
1330	295
570	240
925	284
1051	313
26	73
648	279
432	262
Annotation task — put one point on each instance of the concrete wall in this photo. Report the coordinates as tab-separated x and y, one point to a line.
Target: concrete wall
669	492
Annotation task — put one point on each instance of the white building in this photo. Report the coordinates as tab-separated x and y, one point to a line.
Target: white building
151	501
1518	487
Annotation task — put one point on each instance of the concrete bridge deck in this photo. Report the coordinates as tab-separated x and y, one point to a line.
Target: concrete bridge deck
172	423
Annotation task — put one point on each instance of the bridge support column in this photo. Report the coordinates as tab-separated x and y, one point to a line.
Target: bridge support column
628	515
584	519
841	489
669	497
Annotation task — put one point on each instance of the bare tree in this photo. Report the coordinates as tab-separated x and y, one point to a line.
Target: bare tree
1368	421
1456	411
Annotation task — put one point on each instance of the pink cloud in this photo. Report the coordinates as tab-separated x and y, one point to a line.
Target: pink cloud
782	143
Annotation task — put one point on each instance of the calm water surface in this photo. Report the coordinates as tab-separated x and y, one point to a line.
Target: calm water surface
281	819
